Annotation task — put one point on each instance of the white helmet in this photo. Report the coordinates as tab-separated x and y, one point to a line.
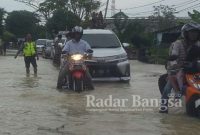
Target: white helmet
188	27
77	29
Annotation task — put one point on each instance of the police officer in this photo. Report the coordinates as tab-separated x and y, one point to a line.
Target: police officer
30	52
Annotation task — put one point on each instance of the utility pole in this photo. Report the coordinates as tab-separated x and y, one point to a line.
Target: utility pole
113	8
106	9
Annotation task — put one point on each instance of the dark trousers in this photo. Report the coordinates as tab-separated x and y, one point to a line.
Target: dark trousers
30	60
165	96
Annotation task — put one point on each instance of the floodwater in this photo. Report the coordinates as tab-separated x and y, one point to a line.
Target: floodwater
33	106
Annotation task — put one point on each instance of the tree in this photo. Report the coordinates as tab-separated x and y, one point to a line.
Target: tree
49	6
21	22
195	16
62	20
82	8
164	16
8	37
2	13
135	33
120	22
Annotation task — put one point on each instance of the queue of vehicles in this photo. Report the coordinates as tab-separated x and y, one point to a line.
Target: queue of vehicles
109	61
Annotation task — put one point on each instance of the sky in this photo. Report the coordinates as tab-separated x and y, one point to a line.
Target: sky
133	8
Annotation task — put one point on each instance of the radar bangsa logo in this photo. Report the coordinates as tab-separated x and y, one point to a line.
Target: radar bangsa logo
132	103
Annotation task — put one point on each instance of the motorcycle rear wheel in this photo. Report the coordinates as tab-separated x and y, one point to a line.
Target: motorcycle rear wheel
190	107
78	85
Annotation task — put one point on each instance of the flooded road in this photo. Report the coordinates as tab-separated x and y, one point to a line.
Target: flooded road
33	106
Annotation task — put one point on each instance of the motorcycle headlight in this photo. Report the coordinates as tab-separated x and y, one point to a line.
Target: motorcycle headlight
77	57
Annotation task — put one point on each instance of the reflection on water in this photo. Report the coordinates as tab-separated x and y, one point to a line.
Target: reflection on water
42	110
180	124
30	81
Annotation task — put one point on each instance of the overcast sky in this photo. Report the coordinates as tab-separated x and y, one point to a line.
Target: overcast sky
10	5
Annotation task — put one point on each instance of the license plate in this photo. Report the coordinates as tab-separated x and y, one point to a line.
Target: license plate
77	67
197	103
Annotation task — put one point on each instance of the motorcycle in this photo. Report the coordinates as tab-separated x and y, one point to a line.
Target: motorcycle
192	92
75	78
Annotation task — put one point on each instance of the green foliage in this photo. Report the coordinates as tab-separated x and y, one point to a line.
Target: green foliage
120	22
7	36
40	32
21	22
158	55
2	13
135	33
81	8
49	6
62	20
165	17
195	16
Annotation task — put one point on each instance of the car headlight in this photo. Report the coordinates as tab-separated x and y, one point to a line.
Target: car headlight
122	56
118	58
77	57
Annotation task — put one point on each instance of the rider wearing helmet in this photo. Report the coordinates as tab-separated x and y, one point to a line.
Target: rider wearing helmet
77	45
179	53
58	49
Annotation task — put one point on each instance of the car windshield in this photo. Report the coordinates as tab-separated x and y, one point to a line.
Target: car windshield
102	40
41	42
49	43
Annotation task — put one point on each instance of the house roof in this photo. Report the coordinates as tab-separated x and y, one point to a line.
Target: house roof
174	29
120	14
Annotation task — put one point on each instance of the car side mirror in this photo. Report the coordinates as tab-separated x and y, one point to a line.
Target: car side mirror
125	45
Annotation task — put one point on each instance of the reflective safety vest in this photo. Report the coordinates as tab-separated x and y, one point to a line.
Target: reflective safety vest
29	49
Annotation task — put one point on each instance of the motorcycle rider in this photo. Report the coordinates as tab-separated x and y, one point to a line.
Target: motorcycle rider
58	50
179	52
30	52
76	45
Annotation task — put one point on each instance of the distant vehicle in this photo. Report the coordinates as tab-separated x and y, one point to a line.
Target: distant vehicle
47	49
110	60
53	47
40	44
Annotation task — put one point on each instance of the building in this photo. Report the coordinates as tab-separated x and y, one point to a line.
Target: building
151	24
167	36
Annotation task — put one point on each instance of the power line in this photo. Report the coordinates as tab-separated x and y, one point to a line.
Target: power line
139	13
176	6
185	3
152	11
185	9
142	5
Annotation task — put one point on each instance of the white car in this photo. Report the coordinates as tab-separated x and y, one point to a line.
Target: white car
40	44
110	61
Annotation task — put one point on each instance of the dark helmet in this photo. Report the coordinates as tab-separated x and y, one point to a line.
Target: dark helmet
189	27
59	36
